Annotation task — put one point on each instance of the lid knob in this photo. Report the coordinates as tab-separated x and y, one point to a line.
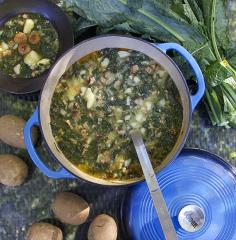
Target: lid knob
191	218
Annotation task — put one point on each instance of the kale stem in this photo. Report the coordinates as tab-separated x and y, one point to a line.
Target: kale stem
232	70
158	21
213	37
213	33
162	24
212	107
197	50
227	89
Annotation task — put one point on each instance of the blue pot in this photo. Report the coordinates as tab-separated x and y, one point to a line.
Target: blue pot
41	116
199	190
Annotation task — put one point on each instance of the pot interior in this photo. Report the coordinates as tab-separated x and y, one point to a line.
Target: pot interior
97	44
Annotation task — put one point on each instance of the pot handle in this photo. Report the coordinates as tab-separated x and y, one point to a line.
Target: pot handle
61	172
194	65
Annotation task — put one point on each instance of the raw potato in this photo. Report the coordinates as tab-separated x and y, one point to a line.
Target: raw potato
70	208
12	131
103	227
13	170
44	231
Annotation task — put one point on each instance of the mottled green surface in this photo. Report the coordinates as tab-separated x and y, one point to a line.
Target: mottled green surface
218	140
21	206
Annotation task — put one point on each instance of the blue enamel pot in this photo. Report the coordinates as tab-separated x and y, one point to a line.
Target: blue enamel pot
41	116
199	191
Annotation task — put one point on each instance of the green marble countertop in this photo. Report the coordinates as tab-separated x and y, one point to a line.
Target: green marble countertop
29	203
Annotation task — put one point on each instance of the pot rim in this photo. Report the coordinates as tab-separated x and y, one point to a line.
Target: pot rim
182	136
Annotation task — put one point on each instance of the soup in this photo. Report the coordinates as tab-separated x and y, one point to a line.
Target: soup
104	96
29	45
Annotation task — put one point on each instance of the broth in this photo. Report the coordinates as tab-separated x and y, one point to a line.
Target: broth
101	98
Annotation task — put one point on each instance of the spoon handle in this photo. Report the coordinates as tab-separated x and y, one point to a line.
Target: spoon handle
154	188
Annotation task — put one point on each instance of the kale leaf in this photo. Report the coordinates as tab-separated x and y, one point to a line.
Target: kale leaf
201	26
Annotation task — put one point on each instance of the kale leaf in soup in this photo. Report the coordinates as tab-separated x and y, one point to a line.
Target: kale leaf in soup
101	98
29	45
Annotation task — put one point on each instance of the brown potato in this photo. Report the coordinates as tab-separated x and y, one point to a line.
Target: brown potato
44	231
13	170
103	227
12	131
70	208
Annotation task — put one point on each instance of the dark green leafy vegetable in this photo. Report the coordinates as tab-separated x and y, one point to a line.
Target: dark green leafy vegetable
200	26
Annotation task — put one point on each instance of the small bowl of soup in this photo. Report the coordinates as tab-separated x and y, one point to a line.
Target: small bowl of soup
31	40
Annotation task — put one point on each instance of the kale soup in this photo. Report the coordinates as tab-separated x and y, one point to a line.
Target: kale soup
104	96
29	45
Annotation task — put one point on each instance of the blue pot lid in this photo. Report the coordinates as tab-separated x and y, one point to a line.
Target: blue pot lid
200	193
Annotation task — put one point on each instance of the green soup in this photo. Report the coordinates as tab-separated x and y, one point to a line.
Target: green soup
101	98
29	45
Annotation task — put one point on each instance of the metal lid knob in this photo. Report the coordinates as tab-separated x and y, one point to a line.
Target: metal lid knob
191	218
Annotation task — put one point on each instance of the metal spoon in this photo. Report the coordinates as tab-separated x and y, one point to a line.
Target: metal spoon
154	188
